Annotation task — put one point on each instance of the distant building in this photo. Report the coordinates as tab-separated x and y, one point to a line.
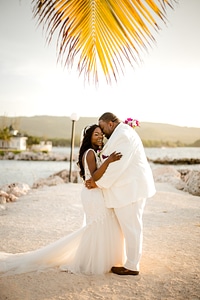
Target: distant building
15	143
14	140
42	146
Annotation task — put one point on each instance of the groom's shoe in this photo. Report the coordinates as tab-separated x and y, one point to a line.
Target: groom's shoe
123	271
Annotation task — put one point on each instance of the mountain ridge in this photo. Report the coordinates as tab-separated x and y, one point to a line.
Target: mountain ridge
60	127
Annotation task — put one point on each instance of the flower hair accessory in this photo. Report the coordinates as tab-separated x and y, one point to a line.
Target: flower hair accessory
132	122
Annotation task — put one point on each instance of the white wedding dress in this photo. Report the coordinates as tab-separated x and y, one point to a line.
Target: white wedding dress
93	249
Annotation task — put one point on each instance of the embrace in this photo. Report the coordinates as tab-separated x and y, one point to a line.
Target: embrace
117	181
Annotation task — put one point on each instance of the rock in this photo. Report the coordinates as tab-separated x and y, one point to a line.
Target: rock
16	189
50	181
192	184
64	174
175	161
11	155
167	174
57	178
185	180
185	173
36	156
5	197
12	198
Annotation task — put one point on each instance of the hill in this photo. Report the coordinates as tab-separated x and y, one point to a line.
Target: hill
60	127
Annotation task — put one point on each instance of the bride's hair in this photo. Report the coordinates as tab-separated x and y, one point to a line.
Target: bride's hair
85	145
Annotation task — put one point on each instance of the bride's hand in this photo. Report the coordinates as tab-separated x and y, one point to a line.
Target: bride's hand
90	184
114	156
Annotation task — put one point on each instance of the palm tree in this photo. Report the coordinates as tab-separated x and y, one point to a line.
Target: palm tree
100	34
5	135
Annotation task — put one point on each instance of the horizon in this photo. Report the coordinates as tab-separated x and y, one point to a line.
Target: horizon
54	116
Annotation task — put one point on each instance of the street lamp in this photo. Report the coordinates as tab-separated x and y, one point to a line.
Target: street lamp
74	117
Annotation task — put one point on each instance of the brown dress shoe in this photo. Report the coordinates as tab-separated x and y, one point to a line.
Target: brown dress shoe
123	271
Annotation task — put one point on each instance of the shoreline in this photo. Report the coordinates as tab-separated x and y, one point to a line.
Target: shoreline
170	260
56	156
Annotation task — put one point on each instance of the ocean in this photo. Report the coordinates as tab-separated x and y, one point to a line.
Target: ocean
29	171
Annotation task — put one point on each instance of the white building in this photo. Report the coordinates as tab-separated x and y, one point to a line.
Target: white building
42	146
15	143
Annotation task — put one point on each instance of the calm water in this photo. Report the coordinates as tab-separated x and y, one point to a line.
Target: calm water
30	171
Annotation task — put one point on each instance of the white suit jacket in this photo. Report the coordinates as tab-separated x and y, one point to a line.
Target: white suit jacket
129	179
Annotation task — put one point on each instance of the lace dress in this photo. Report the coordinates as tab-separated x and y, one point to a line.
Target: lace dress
93	249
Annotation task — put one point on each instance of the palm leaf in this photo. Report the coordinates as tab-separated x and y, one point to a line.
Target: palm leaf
100	33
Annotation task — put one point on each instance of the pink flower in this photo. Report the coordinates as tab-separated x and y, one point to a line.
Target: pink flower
132	122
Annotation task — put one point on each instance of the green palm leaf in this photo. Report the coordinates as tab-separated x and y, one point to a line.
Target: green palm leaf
100	33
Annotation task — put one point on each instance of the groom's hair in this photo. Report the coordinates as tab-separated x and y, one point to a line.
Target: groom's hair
108	116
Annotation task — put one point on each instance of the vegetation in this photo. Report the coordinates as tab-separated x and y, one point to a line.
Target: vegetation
147	143
160	143
5	134
67	143
16	151
58	130
33	140
56	142
195	144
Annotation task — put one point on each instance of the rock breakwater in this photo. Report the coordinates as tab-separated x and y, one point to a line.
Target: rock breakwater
54	156
34	156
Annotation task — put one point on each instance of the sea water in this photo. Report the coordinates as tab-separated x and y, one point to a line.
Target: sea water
30	171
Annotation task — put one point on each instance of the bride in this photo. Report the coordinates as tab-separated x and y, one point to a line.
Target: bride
98	244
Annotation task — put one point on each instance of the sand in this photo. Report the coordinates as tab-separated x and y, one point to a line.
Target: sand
171	250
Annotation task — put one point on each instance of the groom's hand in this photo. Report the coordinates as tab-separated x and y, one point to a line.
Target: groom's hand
90	184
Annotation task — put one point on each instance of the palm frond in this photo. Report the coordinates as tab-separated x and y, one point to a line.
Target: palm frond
100	33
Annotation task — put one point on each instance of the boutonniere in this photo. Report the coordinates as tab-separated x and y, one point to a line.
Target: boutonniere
99	154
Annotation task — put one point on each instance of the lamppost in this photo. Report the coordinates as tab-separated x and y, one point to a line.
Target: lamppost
74	117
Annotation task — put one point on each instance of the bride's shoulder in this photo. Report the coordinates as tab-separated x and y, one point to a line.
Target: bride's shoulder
89	157
89	153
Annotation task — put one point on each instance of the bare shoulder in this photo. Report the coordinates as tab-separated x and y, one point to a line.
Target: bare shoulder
89	155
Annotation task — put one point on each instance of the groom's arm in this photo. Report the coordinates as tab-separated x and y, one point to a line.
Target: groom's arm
117	170
101	170
98	173
114	171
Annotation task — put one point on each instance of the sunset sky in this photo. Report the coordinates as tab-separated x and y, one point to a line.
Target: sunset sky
163	89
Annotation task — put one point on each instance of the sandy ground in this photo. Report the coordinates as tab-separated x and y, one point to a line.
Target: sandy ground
171	252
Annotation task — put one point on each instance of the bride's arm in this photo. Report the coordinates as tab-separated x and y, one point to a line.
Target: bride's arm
97	173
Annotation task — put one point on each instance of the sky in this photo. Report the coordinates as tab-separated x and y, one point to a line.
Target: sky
164	88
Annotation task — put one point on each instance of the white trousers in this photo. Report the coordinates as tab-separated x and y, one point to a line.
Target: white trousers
130	220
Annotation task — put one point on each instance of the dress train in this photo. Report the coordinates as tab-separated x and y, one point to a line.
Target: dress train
92	249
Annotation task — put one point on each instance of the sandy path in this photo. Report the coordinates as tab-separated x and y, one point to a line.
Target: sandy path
171	252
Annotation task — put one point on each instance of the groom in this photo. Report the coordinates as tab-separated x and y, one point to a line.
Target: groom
126	185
